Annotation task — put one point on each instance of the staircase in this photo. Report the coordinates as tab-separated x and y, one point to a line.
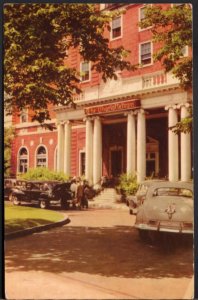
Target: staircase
108	198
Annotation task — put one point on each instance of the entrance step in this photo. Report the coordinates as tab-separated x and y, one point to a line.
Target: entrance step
108	198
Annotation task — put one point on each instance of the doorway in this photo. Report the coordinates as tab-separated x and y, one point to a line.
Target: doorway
116	162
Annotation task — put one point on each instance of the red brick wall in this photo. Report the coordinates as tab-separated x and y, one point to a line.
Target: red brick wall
25	140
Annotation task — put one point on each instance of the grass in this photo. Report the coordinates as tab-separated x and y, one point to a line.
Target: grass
23	217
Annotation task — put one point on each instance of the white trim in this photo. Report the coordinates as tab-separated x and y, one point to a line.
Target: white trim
56	158
121	25
88	80
151	63
34	124
18	155
35	157
139	20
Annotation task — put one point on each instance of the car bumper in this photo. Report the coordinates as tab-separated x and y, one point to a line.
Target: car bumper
164	228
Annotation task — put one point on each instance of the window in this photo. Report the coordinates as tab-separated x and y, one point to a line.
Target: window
23	160
185	51
24	115
82	163
41	157
145	53
142	13
116	28
85	71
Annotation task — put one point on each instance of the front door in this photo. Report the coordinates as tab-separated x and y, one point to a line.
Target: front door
116	162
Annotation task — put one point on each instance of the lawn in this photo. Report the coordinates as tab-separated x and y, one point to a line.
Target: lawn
23	217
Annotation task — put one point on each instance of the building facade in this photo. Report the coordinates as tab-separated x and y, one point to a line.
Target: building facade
120	126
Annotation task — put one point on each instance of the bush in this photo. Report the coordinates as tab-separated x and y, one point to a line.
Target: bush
42	173
127	184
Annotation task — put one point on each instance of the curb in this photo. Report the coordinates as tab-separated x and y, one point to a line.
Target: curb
32	230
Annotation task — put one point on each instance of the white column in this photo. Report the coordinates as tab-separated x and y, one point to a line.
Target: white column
141	146
173	155
67	149
89	151
60	128
185	148
97	151
131	157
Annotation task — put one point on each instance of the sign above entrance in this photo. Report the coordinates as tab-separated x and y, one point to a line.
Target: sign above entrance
112	107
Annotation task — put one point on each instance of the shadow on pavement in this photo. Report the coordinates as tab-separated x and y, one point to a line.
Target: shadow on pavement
115	251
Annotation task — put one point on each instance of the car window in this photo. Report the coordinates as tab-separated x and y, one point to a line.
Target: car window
142	190
169	191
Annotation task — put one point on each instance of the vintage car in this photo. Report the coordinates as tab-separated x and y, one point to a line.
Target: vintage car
133	201
43	193
166	207
9	183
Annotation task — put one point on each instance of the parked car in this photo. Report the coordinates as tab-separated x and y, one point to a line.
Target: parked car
43	193
9	183
133	201
166	207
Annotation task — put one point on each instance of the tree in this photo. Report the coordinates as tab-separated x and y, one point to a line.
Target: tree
172	29
9	134
37	38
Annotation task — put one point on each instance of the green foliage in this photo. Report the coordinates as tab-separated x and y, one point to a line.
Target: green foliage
20	218
128	184
172	27
39	35
42	173
9	134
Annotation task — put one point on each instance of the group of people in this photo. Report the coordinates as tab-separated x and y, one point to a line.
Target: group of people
80	189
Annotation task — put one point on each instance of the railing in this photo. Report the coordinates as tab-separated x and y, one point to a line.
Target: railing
154	80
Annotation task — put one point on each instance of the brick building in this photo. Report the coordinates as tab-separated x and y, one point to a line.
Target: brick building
118	126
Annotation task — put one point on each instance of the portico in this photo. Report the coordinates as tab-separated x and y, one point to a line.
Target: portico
121	133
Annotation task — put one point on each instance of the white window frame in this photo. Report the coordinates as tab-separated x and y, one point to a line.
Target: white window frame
82	71
19	157
186	51
140	61
139	17
41	145
24	112
121	25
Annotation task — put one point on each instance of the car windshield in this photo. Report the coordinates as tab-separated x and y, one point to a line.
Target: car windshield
170	191
142	189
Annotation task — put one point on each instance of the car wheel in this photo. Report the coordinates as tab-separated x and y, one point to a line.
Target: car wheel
64	204
44	204
15	200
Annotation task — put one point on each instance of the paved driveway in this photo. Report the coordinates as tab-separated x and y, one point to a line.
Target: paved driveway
97	256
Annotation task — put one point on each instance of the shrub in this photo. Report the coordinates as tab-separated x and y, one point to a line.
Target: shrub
127	184
42	173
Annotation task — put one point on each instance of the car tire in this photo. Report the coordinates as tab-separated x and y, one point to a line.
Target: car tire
43	204
15	200
64	204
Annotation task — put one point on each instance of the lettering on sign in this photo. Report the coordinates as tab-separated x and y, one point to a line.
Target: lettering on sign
113	107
